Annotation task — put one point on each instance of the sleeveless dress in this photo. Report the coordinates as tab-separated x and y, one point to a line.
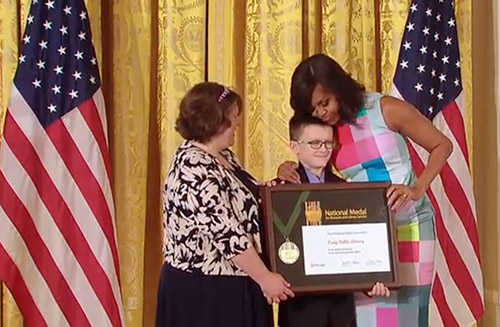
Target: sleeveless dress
370	152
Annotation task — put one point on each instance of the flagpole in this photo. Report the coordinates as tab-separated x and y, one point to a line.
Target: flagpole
378	46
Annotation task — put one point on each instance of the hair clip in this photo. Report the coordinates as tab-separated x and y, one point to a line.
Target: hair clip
223	95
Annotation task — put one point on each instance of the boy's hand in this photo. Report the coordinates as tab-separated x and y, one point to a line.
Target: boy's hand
379	289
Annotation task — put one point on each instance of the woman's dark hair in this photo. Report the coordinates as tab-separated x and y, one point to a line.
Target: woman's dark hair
204	111
321	69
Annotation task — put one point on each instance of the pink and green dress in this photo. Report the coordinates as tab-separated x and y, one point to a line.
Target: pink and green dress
371	152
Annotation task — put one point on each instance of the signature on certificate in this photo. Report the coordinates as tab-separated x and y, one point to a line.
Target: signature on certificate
373	263
350	263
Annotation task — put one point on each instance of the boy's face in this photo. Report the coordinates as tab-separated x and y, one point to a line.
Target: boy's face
309	137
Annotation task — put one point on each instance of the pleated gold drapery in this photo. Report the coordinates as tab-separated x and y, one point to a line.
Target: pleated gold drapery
150	52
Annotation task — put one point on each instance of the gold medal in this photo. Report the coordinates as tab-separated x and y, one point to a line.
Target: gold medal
289	252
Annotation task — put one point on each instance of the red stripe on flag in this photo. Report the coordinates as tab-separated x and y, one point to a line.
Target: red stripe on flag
86	181
458	199
21	219
447	316
456	266
455	122
89	111
14	281
63	217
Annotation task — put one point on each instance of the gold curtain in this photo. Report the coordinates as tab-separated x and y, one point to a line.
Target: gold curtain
150	52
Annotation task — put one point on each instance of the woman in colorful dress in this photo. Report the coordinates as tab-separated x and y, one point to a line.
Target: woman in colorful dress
373	130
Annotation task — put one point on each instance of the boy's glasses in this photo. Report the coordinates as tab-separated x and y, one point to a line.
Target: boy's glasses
317	144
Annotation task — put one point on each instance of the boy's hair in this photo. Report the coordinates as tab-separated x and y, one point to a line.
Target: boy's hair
299	121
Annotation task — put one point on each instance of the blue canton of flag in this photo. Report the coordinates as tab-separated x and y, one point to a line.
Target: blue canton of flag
57	68
428	72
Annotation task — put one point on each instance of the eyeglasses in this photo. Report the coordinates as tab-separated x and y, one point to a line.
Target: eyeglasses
317	144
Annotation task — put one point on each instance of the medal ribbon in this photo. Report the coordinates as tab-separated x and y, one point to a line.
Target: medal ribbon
286	229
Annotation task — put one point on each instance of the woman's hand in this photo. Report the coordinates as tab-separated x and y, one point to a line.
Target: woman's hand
379	289
287	171
275	288
270	183
399	195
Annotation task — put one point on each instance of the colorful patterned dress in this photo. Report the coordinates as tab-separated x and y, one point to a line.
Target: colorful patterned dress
370	152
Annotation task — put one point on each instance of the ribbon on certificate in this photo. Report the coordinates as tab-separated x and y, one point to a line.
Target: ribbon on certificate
286	229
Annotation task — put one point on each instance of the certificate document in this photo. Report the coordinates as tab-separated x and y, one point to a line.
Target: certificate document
329	238
346	248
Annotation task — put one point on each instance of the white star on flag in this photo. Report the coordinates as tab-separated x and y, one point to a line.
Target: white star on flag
47	25
64	30
50	4
58	70
41	64
79	55
61	50
73	94
77	75
67	10
37	83
52	108
56	89
43	44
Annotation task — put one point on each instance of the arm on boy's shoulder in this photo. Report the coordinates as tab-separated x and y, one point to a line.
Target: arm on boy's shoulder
330	177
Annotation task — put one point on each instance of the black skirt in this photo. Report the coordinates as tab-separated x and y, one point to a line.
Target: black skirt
335	310
196	300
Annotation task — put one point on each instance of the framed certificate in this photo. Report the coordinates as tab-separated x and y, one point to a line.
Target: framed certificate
330	237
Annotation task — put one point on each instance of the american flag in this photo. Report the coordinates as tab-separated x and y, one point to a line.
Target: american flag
58	249
428	76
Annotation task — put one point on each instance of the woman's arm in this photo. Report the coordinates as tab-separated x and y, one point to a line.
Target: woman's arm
274	286
402	117
287	171
215	216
